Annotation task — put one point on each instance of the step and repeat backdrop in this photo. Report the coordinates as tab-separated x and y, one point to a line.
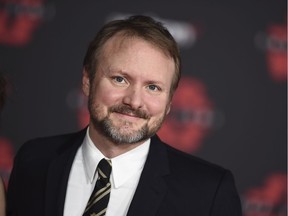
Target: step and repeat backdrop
231	105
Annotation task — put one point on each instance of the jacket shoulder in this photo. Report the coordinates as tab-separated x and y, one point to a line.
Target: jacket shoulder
48	146
192	166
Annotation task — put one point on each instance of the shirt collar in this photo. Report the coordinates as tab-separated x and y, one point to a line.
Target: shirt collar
91	157
124	166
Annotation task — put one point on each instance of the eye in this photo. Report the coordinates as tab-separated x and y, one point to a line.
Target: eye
118	79
154	88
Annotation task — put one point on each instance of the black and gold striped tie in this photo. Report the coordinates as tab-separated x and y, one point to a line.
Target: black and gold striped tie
99	198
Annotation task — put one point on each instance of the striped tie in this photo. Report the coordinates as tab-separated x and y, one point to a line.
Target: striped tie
97	204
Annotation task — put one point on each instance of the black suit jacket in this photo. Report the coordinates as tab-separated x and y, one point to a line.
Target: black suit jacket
172	182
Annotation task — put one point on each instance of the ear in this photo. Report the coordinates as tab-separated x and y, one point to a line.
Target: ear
168	108
85	82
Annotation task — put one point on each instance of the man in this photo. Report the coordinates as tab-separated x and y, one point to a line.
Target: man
131	70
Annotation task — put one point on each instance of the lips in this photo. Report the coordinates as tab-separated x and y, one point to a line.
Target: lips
126	116
129	114
124	110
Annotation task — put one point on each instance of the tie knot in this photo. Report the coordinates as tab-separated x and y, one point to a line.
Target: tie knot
104	170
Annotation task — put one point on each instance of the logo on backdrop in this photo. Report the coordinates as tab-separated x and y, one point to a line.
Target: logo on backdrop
191	116
268	199
185	33
20	19
274	43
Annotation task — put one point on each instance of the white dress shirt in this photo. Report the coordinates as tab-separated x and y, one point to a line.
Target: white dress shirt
126	171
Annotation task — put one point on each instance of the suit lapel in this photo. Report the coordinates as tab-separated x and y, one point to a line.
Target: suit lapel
58	175
151	187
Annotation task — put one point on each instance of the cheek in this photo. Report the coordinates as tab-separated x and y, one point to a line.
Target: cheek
157	106
106	96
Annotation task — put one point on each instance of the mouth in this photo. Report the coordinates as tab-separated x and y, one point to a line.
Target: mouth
128	112
127	116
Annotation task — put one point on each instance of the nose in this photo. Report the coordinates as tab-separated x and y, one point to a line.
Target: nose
133	97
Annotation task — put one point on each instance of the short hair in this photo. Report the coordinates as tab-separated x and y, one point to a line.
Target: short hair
2	91
140	26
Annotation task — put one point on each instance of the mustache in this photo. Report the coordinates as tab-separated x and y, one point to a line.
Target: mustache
123	109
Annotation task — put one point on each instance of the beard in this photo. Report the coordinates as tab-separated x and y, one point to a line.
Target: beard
123	132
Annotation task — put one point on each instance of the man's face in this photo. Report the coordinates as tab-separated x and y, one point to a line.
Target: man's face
129	96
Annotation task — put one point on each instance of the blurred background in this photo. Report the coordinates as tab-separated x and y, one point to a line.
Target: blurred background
231	105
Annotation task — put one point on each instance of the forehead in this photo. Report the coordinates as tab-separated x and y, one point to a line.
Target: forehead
136	51
121	41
